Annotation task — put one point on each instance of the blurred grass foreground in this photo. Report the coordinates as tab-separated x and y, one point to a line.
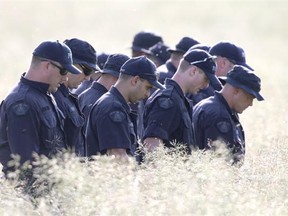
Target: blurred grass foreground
169	184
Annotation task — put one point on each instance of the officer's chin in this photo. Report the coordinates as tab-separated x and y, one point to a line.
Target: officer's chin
240	111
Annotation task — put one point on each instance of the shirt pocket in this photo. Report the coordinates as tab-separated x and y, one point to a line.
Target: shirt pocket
75	117
48	117
51	135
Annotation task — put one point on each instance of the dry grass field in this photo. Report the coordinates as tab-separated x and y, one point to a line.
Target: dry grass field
202	185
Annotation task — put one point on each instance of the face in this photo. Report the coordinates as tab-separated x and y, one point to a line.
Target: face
136	53
200	81
223	66
74	80
55	78
242	100
141	91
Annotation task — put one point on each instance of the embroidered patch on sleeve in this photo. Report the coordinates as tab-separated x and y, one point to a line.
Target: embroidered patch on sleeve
165	103
224	126
117	116
21	109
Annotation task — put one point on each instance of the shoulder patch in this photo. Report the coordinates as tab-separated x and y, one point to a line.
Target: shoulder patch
117	116
165	103
20	109
224	126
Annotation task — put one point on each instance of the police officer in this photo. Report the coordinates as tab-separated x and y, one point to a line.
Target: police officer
142	41
167	115
216	118
110	128
30	120
227	55
109	76
84	58
159	54
101	59
168	69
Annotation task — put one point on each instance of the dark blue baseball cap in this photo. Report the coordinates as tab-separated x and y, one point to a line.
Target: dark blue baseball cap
142	67
143	40
58	52
242	77
114	63
204	61
83	53
200	46
101	59
160	52
230	51
183	45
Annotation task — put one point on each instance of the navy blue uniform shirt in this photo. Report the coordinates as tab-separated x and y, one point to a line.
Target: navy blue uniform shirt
90	96
167	116
73	119
84	85
214	120
30	122
166	70
201	94
110	125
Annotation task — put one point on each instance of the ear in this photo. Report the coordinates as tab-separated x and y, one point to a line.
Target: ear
134	80
192	71
45	64
236	91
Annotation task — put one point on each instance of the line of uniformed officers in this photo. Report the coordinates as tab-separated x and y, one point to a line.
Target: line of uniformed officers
190	94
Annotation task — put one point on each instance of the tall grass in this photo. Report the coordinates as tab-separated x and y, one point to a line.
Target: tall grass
203	184
168	184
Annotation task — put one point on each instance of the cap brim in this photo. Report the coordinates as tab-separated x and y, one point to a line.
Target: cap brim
247	66
259	97
214	81
175	50
94	66
252	92
72	69
222	79
156	84
140	49
112	72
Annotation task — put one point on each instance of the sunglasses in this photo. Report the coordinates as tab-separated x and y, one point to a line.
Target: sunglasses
86	70
63	71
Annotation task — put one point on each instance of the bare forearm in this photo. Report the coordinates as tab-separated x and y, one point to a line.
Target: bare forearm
151	143
118	153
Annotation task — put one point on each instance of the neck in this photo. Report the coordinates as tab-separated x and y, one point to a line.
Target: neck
122	88
226	93
35	75
180	80
106	81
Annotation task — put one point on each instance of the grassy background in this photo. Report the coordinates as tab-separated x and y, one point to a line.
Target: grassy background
260	27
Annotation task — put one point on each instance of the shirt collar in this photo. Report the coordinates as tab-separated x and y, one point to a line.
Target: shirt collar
120	97
65	91
220	97
98	86
42	87
175	85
